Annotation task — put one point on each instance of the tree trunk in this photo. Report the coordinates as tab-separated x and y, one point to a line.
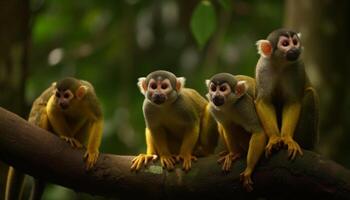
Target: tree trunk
43	155
14	46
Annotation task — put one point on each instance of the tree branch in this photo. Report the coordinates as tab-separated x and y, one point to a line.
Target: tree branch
43	155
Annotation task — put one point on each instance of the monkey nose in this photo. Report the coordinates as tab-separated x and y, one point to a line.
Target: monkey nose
293	54
64	105
218	100
159	98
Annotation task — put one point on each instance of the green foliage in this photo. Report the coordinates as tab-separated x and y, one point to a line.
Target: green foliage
203	22
226	4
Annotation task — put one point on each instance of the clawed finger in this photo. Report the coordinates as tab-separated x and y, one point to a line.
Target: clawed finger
223	153
222	159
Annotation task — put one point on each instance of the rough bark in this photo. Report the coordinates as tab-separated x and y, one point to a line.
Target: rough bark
43	155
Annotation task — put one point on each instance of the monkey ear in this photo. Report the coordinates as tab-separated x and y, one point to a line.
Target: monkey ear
299	35
180	83
142	85
53	84
264	48
208	96
241	88
81	91
207	82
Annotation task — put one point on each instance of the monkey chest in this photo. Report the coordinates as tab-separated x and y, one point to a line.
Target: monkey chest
171	121
74	121
288	86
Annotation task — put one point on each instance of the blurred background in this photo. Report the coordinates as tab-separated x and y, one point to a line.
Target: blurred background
112	43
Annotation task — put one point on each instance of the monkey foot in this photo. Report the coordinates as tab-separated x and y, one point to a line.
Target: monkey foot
274	143
142	160
90	158
227	160
246	180
293	147
72	141
168	162
186	161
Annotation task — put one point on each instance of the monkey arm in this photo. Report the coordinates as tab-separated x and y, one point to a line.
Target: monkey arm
143	159
161	146
150	143
189	141
94	142
57	120
256	148
290	117
267	114
268	119
234	151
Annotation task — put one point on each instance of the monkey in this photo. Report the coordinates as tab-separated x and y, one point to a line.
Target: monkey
232	105
71	110
178	125
286	102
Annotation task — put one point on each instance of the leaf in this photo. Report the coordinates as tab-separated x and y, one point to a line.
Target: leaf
203	22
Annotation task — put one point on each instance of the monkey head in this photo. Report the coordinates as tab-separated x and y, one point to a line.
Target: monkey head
225	89
161	87
68	91
282	45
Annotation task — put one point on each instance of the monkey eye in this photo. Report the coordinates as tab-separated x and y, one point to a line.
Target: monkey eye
164	86
285	43
153	85
213	87
66	95
295	41
223	88
58	95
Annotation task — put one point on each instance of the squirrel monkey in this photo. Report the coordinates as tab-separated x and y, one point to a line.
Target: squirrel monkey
70	109
286	103
178	125
232	105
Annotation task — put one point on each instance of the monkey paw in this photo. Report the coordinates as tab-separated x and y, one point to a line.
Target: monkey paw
246	180
186	161
168	162
141	160
226	160
274	143
293	147
90	159
72	141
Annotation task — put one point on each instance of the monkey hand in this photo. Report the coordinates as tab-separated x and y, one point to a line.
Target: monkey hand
274	143
168	162
226	160
246	180
72	141
141	160
186	161
293	147
90	158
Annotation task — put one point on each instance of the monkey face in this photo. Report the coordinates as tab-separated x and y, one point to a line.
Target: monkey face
159	91
281	45
63	98
224	90
218	94
161	87
289	47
